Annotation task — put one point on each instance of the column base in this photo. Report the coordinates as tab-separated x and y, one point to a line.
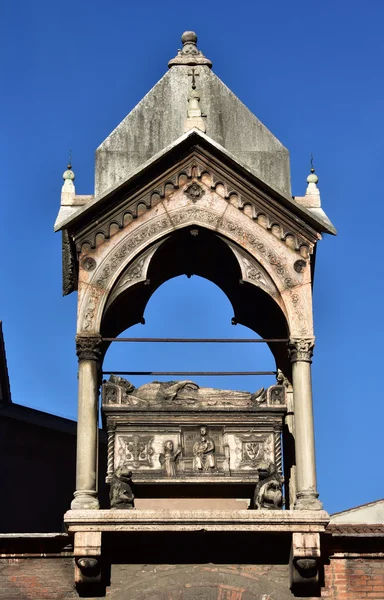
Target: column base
308	500
85	500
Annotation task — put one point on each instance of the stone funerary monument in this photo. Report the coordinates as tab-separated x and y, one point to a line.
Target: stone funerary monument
191	182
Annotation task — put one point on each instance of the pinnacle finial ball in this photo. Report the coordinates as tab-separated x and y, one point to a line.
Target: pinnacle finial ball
69	174
189	37
312	178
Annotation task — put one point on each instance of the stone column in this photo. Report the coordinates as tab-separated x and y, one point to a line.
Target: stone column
300	353
88	350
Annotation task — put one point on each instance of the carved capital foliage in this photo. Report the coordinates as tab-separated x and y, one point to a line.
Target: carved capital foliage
301	349
88	347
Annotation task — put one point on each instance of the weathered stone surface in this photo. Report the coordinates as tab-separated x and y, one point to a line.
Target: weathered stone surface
159	119
179	433
185	395
269	489
201	582
121	494
188	520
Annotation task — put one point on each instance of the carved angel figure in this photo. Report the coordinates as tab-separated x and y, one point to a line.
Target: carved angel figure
268	492
204	451
169	458
121	495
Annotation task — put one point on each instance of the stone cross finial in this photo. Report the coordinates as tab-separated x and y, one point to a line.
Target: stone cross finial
194	114
192	73
189	54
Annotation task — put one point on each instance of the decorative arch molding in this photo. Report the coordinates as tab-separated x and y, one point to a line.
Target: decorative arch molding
289	288
201	168
135	272
277	262
251	271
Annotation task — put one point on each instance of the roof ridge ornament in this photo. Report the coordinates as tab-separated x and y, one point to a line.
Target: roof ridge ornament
194	114
68	190
312	181
189	55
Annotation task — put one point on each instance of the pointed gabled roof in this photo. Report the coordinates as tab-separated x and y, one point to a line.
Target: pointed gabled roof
168	155
159	120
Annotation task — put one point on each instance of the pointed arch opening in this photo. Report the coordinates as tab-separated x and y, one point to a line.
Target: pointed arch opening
195	250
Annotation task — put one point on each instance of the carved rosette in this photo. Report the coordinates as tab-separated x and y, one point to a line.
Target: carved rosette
194	191
88	347
301	349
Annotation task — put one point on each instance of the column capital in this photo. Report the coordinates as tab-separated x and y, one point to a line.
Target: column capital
88	347
301	349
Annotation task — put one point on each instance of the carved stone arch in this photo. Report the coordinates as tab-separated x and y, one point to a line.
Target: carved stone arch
252	305
274	257
251	272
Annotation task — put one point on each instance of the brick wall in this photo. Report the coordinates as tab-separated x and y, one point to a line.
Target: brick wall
37	579
354	578
51	578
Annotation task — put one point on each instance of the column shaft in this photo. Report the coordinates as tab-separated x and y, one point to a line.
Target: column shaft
306	494
85	496
86	464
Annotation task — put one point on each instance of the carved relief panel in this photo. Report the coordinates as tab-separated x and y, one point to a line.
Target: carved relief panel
190	451
218	434
142	451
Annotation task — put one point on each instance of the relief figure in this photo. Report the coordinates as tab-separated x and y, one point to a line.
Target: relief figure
204	451
169	458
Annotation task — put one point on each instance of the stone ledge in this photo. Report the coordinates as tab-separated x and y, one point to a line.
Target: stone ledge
197	520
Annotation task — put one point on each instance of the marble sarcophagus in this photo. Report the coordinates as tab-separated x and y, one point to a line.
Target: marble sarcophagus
179	433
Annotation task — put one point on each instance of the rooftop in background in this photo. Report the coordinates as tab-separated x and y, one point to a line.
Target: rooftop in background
5	389
371	512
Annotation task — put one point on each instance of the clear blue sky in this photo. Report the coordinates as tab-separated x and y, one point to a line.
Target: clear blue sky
313	74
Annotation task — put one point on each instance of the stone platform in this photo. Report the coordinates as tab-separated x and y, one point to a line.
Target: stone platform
196	520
